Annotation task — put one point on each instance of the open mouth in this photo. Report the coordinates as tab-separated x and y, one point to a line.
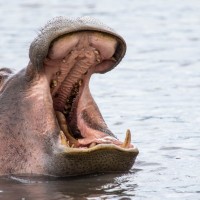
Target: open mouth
71	61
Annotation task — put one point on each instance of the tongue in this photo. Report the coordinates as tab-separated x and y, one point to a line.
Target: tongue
103	140
91	135
90	121
96	137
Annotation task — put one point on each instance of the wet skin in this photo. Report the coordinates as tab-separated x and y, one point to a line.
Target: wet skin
49	122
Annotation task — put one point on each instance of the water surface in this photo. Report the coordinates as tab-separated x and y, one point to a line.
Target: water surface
154	92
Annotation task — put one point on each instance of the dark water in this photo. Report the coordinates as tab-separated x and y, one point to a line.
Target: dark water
154	92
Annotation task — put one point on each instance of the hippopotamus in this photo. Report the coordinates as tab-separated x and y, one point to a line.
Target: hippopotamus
49	121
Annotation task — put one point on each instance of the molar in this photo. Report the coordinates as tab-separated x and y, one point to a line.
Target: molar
98	60
80	82
53	84
96	52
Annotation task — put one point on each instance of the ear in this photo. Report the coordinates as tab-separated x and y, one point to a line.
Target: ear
4	75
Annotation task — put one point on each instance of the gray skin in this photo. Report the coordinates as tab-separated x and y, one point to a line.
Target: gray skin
30	135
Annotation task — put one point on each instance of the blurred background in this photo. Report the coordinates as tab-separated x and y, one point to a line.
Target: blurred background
154	91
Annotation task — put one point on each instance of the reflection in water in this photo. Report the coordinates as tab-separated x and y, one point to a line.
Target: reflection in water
86	187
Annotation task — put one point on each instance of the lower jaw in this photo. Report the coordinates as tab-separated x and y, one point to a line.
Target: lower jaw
68	140
102	158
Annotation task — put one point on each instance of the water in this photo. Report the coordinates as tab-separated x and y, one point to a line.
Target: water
154	92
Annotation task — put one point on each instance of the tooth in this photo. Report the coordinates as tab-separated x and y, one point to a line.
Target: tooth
58	73
98	60
96	52
53	83
64	61
92	144
85	72
64	139
80	82
113	59
127	140
63	125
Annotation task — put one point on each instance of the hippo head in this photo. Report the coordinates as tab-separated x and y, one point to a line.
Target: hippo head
50	124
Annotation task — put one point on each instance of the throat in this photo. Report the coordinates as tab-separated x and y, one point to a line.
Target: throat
80	119
67	113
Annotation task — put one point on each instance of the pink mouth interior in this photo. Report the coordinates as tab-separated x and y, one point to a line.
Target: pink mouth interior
71	61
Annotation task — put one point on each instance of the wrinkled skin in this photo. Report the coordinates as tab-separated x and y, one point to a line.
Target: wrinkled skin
49	122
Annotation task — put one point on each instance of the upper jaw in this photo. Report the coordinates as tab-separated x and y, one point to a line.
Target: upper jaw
59	26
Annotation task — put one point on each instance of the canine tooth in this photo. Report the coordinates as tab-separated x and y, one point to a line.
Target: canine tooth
64	139
92	144
63	125
127	140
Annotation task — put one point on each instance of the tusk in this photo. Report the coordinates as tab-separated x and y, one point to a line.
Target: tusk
127	140
63	139
63	125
